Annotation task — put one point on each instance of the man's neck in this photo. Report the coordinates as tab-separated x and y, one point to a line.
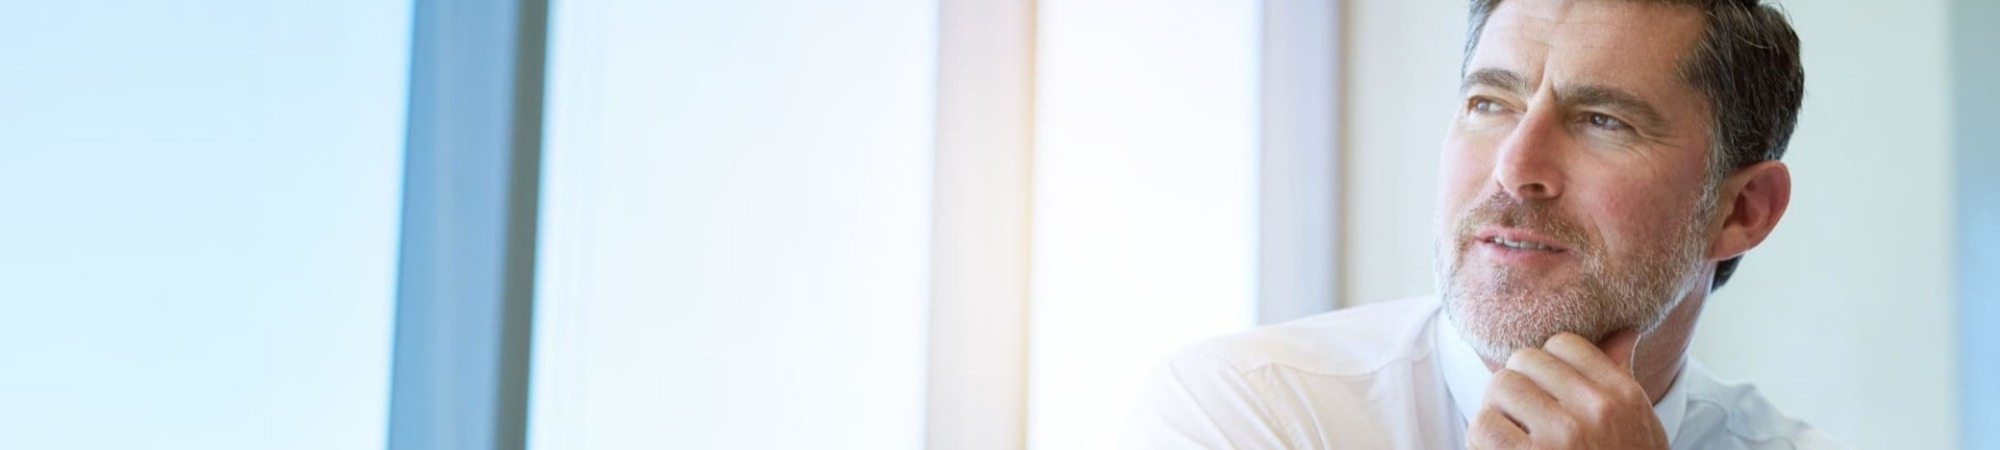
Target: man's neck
1663	353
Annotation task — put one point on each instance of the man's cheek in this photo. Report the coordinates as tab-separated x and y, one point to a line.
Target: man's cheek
1463	163
1458	189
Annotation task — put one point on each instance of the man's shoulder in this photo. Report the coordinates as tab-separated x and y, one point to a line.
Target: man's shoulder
1734	415
1346	342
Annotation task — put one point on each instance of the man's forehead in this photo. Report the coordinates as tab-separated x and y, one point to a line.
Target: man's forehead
1629	44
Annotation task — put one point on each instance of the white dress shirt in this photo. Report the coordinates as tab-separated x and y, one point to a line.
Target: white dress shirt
1391	375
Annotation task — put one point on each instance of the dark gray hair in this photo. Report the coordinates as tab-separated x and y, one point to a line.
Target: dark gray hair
1747	65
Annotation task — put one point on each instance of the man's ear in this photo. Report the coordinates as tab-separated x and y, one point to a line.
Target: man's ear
1751	202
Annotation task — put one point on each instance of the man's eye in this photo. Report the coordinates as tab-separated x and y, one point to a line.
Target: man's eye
1484	106
1606	122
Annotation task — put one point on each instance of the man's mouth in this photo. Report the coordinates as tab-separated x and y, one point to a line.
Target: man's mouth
1518	239
1521	245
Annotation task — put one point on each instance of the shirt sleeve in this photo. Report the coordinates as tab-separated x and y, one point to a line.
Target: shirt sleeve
1197	400
1812	439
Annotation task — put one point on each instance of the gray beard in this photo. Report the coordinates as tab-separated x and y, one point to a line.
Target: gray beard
1500	315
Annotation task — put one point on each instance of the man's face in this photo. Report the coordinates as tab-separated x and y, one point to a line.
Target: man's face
1572	176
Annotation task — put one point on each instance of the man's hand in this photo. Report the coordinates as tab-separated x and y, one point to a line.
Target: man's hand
1568	395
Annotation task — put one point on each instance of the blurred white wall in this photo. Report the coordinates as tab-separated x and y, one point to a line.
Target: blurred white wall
1402	84
1843	317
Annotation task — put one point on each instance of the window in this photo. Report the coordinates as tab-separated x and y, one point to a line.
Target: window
199	241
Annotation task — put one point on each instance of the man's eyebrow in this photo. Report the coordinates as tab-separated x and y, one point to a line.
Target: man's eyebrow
1502	79
1617	100
1613	99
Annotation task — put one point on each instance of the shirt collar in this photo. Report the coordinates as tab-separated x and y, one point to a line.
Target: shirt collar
1466	377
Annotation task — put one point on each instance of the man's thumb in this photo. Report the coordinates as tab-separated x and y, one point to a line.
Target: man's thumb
1619	346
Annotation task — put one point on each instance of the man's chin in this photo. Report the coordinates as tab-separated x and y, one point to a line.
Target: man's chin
1516	286
1551	273
1500	323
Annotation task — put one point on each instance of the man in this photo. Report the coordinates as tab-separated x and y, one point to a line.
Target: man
1610	162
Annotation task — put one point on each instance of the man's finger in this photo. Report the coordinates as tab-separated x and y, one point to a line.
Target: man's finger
1552	374
1594	361
1620	346
1492	430
1525	403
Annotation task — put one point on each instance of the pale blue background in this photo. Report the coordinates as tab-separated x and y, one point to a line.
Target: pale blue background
1976	47
198	212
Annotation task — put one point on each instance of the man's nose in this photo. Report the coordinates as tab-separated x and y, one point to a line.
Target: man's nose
1526	162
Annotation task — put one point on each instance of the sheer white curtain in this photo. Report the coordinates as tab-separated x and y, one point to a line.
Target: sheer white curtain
736	215
1145	214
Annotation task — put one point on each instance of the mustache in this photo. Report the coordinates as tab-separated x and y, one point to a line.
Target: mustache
1538	216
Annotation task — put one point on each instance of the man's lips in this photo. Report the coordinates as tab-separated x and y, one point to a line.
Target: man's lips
1518	239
